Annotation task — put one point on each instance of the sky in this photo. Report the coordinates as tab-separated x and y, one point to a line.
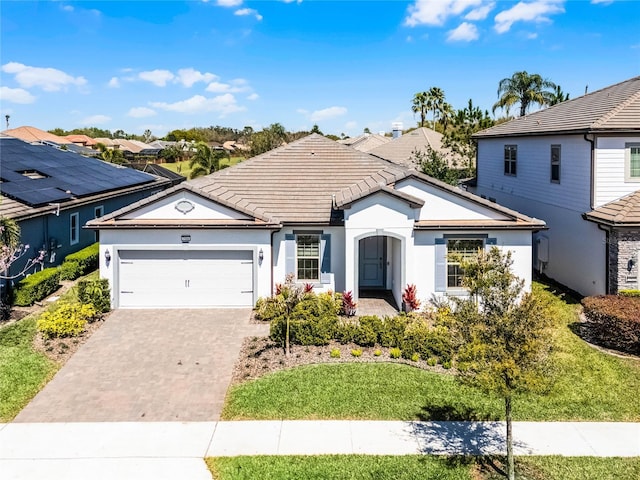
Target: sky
342	65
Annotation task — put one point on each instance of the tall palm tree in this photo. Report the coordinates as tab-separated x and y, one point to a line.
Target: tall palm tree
206	160
558	96
420	104
436	97
525	89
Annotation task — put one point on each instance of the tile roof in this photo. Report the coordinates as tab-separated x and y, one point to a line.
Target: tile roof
308	182
400	150
33	135
81	139
365	142
614	108
624	212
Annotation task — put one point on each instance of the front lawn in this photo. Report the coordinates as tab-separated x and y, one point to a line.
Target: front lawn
589	385
23	370
339	467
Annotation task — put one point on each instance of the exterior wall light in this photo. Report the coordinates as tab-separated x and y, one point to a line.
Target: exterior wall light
107	256
185	238
260	256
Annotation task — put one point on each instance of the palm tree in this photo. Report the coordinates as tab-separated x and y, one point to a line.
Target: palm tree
206	160
558	96
436	99
421	104
525	89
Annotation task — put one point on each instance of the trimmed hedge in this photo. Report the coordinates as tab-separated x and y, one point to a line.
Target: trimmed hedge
80	263
630	293
36	286
615	321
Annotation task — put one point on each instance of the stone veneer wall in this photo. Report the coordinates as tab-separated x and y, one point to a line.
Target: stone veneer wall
624	245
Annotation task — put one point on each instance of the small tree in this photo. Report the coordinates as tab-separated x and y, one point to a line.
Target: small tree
503	334
434	164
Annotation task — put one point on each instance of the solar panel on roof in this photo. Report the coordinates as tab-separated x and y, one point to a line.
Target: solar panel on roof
61	171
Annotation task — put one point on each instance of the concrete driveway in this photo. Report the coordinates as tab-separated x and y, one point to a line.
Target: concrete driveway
148	365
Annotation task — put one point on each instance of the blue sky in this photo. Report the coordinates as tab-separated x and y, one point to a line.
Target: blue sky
162	65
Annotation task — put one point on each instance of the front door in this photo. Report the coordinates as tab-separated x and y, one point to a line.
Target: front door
372	262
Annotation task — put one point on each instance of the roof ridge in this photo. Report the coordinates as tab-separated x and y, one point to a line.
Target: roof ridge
626	207
614	111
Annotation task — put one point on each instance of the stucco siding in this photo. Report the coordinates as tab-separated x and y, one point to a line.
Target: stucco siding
169	208
533	179
610	181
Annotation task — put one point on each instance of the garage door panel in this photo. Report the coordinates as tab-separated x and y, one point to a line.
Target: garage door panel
181	279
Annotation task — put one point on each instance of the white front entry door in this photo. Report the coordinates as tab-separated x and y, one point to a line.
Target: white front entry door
372	262
185	279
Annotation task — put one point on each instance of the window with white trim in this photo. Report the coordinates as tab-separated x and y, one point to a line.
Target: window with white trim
97	213
632	162
510	159
459	249
74	228
555	163
308	257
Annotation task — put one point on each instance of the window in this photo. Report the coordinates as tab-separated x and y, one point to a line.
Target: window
632	162
308	257
555	163
510	159
97	213
458	249
74	223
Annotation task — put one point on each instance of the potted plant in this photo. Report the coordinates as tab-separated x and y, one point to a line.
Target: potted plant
348	304
410	300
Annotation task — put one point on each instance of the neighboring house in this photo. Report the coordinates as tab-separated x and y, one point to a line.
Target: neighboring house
330	215
82	140
402	149
35	135
577	166
365	142
52	193
159	171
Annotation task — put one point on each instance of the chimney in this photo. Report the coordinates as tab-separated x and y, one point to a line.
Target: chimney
396	128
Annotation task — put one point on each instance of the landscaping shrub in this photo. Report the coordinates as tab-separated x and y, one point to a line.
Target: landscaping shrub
335	353
96	293
395	353
36	286
426	340
392	332
68	320
80	263
615	321
356	352
367	331
271	308
346	331
630	293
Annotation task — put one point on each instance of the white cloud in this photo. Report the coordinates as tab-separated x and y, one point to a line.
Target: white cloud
157	77
535	11
253	96
603	2
67	8
532	36
114	82
16	95
243	12
465	32
327	113
436	12
234	86
48	79
95	120
480	13
228	3
141	112
351	125
189	76
223	104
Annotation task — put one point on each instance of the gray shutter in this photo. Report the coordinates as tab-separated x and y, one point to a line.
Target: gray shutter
441	265
290	254
325	252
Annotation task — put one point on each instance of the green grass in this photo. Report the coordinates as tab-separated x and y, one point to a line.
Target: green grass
352	467
588	385
23	371
338	467
185	170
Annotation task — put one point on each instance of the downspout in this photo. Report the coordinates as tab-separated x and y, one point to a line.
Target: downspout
607	232
592	193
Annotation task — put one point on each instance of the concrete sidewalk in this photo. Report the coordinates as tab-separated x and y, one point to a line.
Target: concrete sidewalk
174	450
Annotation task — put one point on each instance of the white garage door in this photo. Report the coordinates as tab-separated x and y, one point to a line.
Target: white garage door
185	279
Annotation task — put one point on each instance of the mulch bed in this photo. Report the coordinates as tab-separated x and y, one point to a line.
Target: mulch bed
61	349
260	356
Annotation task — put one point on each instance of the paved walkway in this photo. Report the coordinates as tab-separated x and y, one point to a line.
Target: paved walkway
174	450
148	365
